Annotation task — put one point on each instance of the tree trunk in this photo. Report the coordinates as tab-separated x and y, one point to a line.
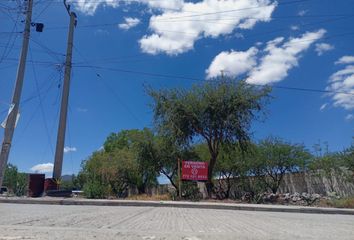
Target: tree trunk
170	178
141	189
228	187
209	183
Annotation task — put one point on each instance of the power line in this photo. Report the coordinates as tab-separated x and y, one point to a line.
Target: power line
43	10
212	21
35	95
44	95
198	13
36	50
218	19
203	80
110	89
53	54
8	49
41	103
159	8
292	44
302	25
236	10
34	62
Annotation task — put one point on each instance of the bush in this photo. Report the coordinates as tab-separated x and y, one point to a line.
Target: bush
252	189
146	197
22	184
342	203
15	181
95	189
190	191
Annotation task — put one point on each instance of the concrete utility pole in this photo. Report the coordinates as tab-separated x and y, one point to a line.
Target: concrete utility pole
59	151
12	117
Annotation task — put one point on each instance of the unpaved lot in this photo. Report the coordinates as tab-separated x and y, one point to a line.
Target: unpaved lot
19	221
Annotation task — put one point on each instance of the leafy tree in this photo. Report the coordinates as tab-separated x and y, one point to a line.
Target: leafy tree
327	163
163	153
134	141
348	156
338	163
217	111
233	163
15	181
109	173
276	157
72	183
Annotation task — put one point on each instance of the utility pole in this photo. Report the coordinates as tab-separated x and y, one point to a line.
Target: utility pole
59	151
12	117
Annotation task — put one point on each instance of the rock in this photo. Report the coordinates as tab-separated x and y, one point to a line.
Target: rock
309	199
286	197
332	194
296	197
317	196
246	197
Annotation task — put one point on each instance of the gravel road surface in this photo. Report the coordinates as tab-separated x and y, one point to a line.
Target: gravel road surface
54	222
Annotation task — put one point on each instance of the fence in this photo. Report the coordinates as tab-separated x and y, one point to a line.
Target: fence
342	183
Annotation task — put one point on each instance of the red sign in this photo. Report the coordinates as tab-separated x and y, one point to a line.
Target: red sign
196	171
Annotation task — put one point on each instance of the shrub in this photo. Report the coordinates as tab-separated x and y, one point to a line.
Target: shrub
95	189
342	203
190	191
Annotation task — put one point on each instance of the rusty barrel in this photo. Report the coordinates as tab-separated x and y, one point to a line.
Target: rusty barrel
50	184
35	185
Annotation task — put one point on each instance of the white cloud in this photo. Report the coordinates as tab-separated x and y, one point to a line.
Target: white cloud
323	106
345	60
166	5
294	27
79	109
232	63
43	168
341	83
175	32
129	23
302	13
268	65
349	117
178	24
69	149
281	56
322	48
89	7
101	32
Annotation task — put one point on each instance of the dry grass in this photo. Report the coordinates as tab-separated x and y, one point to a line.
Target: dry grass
338	203
146	197
344	203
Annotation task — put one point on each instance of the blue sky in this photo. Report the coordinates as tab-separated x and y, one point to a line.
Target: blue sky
120	46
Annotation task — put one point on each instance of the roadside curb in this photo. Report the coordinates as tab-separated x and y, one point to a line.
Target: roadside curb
200	205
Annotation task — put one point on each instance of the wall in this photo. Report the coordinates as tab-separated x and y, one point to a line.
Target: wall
340	183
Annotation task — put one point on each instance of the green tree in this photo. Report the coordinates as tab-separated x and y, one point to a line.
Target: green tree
348	156
276	157
15	181
233	163
109	174
217	111
163	153
134	141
